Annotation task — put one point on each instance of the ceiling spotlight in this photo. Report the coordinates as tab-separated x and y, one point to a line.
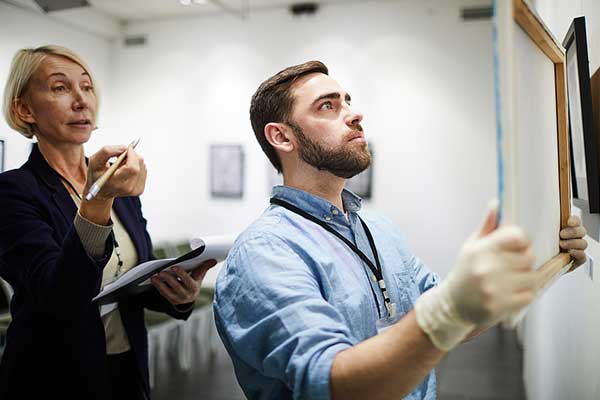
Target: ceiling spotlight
186	2
199	1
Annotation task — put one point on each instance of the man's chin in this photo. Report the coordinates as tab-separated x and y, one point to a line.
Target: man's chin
351	173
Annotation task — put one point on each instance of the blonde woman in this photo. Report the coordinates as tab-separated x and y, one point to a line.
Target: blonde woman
57	250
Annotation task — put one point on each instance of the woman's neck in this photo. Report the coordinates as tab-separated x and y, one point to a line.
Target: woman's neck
66	159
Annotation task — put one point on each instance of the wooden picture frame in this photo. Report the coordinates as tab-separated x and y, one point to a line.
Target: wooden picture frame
583	141
517	31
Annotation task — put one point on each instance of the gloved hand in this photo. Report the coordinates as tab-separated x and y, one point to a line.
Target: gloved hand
572	240
493	277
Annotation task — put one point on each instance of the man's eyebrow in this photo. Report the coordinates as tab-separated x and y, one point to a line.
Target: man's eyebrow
333	95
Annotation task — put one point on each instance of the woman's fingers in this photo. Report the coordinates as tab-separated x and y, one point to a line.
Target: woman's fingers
128	180
176	286
199	273
165	290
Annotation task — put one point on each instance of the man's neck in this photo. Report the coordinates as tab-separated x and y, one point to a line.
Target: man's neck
319	183
67	160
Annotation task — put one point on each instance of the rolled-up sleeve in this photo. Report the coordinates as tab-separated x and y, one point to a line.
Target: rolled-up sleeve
272	315
425	278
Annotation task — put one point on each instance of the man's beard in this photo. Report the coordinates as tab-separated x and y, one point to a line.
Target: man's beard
343	161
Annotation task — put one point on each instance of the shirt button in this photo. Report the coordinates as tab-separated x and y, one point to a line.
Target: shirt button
335	212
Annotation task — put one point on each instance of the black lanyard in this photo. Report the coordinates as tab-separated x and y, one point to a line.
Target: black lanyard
114	239
375	269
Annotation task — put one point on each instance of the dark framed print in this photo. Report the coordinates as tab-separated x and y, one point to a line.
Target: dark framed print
583	142
226	171
362	184
2	152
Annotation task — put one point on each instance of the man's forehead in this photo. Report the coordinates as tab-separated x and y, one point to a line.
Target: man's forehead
309	87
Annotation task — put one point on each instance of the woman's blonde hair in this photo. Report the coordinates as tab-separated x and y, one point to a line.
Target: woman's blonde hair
24	64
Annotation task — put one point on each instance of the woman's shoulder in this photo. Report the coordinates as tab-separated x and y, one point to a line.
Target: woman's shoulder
21	178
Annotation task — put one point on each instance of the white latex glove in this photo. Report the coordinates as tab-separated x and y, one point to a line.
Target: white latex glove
493	277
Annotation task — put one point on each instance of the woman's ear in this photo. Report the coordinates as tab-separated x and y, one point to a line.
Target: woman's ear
23	111
278	135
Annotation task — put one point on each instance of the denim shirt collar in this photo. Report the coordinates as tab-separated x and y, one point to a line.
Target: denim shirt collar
315	205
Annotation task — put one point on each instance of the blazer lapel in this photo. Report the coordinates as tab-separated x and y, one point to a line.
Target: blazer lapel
60	195
65	204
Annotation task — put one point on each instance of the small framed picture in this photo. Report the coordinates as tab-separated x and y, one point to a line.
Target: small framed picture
583	141
362	184
226	171
2	152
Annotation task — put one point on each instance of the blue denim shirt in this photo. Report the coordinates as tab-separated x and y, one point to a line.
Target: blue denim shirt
292	295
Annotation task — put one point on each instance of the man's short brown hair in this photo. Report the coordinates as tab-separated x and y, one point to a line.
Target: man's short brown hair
273	102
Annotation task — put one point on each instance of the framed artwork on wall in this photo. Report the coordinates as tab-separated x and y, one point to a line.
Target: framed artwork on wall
583	142
227	171
362	184
532	135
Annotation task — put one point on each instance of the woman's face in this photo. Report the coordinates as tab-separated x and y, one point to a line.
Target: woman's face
60	100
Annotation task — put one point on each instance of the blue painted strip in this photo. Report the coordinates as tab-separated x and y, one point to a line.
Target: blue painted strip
499	132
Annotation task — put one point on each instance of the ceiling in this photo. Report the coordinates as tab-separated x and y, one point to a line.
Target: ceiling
134	10
139	10
108	18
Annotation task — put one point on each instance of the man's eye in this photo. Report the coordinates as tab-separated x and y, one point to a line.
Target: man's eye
327	106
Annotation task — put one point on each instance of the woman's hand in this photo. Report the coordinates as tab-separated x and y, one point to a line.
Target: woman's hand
179	287
128	180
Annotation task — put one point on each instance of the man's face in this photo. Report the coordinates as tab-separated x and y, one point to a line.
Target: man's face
328	131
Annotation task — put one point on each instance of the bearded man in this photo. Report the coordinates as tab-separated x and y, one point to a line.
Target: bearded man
319	300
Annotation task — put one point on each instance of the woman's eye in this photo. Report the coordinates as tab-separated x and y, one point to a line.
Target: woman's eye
88	88
59	89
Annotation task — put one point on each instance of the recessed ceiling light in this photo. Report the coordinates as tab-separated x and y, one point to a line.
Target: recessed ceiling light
193	2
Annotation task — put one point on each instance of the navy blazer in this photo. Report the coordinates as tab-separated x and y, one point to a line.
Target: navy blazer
56	346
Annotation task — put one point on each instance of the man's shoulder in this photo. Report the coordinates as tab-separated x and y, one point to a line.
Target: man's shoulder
260	255
276	224
265	233
377	220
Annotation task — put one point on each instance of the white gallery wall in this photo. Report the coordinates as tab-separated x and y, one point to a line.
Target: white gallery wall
421	76
561	331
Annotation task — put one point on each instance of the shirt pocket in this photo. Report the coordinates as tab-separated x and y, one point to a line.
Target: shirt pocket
408	291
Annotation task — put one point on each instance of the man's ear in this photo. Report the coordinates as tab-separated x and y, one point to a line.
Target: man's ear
278	135
23	111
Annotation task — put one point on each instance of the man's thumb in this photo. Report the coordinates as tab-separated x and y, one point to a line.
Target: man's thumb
491	220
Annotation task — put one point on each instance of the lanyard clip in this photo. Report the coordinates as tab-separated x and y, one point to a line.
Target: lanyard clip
391	308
